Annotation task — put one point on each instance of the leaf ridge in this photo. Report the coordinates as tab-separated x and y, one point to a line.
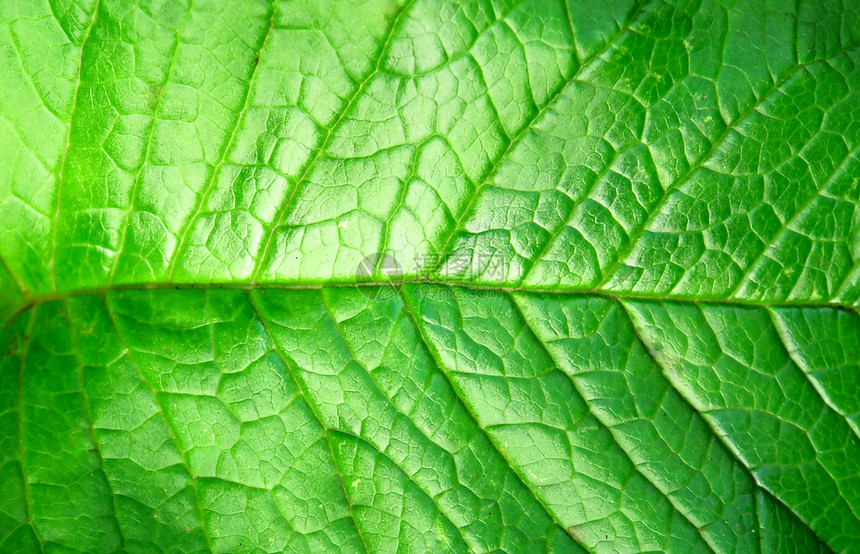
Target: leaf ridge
582	198
33	301
799	451
32	82
57	17
18	282
836	482
432	498
466	52
756	488
845	281
401	198
269	492
15	530
566	6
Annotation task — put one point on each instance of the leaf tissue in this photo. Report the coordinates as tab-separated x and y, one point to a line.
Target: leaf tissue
429	275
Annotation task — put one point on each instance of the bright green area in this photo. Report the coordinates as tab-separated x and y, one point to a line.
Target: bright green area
625	237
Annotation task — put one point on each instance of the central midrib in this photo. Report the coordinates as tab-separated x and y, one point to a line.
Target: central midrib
35	300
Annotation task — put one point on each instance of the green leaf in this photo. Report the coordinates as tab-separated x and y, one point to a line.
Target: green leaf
390	275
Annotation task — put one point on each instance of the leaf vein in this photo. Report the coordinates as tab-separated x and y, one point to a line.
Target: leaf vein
728	446
314	410
436	360
483	181
785	341
160	409
62	169
139	175
319	154
91	426
634	237
577	387
216	171
27	498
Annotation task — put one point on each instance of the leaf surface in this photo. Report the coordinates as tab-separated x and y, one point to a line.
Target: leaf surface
424	275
